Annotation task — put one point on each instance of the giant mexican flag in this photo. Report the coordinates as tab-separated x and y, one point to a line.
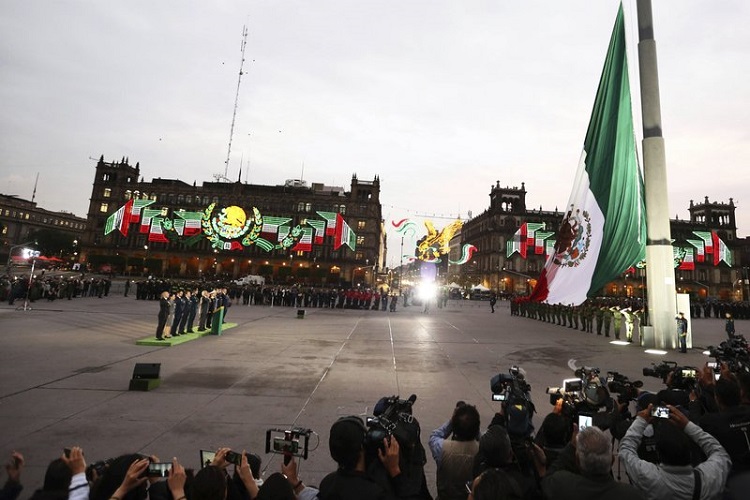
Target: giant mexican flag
603	232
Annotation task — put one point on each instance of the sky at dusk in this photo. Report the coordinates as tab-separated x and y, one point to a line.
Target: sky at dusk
439	98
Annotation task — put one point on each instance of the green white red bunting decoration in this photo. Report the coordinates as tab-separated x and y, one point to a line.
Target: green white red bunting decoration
230	228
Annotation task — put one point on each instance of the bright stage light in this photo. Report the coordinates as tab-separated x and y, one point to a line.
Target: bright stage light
426	291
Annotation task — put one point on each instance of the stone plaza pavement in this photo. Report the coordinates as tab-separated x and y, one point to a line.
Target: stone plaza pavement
65	368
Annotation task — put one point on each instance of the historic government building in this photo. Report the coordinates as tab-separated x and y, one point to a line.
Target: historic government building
514	242
293	232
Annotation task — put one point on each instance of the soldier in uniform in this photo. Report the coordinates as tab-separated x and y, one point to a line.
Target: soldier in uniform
617	320
607	319
599	318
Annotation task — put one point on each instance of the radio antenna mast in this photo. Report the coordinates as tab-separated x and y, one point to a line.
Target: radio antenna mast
220	177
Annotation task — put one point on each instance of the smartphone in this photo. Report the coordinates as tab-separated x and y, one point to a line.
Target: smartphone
498	397
233	457
159	469
713	365
660	412
585	421
281	445
207	458
688	373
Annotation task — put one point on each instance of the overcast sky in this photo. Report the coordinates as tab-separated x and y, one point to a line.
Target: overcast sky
439	98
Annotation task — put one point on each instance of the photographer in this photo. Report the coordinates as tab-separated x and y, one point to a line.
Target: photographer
455	456
350	481
583	471
675	478
496	452
394	416
730	425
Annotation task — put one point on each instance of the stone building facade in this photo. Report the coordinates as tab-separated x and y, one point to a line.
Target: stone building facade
118	182
497	266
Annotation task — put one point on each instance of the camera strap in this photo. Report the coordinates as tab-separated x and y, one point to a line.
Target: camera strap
697	486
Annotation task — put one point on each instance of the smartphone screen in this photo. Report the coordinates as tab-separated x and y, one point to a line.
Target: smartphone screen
660	412
584	421
207	457
498	397
159	469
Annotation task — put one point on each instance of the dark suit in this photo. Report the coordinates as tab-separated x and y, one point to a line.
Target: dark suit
163	313
179	309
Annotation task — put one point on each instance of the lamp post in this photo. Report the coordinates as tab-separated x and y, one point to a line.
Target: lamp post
33	254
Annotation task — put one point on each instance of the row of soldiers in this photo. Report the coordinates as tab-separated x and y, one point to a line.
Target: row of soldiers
605	316
716	309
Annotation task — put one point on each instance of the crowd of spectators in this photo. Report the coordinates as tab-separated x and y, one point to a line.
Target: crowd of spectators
53	287
688	441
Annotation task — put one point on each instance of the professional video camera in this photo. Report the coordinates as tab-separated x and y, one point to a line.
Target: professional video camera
583	395
683	377
621	385
389	420
287	442
513	392
734	352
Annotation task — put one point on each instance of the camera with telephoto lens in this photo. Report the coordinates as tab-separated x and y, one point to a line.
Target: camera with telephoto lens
392	414
621	385
682	377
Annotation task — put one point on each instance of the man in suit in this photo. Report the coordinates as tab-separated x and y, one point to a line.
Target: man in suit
179	310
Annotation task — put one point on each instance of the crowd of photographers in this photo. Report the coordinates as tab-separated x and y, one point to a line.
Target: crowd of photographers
690	440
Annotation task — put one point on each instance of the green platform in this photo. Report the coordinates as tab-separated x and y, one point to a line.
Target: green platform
151	340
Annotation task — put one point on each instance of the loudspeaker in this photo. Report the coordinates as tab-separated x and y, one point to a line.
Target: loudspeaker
146	370
300	314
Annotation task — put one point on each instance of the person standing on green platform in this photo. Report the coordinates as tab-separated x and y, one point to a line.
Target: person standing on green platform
599	319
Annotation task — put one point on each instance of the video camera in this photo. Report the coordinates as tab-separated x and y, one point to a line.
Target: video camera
734	352
289	442
683	377
584	393
386	422
513	392
621	385
502	385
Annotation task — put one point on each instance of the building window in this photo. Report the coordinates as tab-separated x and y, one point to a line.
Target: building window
180	199
107	192
164	211
308	207
197	200
105	177
103	208
215	199
359	256
26	217
360	240
342	209
300	206
361	224
128	194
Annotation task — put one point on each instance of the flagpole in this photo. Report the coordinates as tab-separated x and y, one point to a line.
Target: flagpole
659	257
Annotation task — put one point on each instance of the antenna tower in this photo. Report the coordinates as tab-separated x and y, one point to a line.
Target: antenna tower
220	177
